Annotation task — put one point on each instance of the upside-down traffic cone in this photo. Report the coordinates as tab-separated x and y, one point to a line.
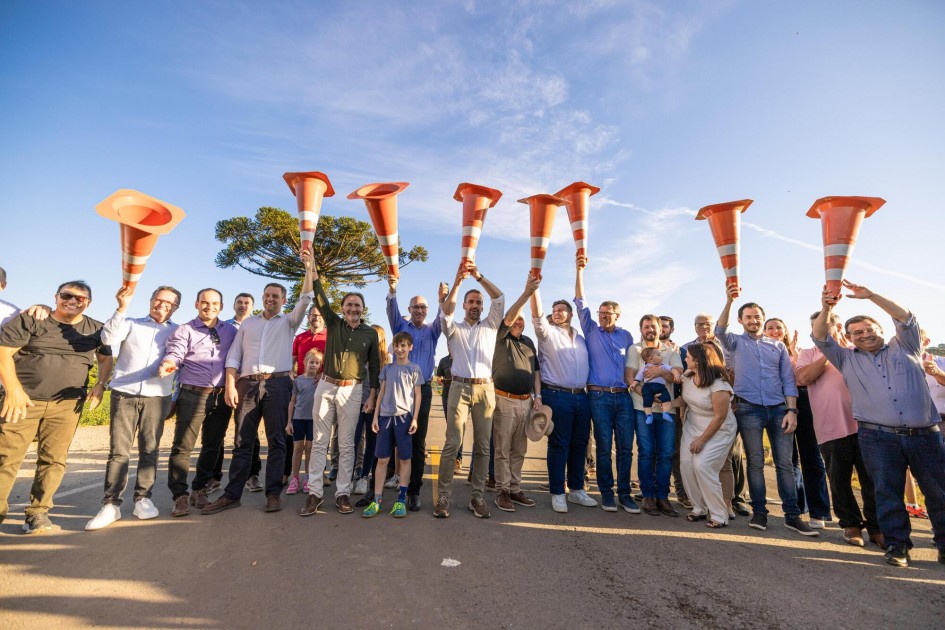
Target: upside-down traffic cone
577	195
309	188
381	202
725	223
840	219
476	201
542	210
142	219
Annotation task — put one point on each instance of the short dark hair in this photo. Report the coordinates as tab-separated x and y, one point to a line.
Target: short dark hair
402	337
856	319
649	317
466	295
667	318
78	284
165	287
563	303
202	291
245	295
709	364
741	309
278	286
352	293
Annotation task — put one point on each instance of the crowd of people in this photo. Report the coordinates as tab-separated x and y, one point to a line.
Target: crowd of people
356	409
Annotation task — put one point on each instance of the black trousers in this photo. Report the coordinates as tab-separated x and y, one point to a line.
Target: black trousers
267	401
418	461
196	412
257	462
842	456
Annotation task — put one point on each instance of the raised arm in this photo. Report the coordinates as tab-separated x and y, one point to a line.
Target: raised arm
580	262
298	313
448	306
894	310
490	288
117	327
531	285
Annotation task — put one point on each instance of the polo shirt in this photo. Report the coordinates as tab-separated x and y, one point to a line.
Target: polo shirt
514	363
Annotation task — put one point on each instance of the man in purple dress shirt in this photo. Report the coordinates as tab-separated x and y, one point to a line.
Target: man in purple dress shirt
198	350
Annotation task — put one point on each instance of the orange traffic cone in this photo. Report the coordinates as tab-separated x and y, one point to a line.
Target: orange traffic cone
143	218
309	189
543	208
725	223
476	201
381	202
577	196
840	219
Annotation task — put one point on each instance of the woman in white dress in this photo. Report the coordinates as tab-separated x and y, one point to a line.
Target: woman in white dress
708	432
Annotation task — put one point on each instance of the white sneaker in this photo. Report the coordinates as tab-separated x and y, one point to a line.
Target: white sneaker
558	503
816	523
105	517
361	486
393	482
580	497
144	509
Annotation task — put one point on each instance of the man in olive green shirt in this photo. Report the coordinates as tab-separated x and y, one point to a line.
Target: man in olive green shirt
350	344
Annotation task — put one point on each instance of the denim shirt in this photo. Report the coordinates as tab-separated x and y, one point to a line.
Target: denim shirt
763	371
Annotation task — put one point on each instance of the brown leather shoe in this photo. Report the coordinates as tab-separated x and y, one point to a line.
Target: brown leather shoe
442	508
253	485
520	498
273	503
853	536
181	506
312	503
879	540
478	508
198	498
503	502
343	504
665	507
649	506
223	503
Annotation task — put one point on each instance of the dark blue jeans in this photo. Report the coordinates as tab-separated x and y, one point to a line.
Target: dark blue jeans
656	443
753	422
810	473
613	421
887	456
567	444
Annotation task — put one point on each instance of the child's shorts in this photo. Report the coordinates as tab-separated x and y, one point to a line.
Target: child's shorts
302	429
393	429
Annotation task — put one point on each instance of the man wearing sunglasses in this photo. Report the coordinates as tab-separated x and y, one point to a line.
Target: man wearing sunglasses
44	367
140	401
423	354
197	351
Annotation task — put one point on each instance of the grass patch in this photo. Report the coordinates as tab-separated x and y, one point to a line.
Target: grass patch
100	416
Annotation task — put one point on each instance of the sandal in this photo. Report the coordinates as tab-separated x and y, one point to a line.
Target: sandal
692	517
715	525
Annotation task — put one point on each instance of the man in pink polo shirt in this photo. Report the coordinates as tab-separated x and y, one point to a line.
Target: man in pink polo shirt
837	436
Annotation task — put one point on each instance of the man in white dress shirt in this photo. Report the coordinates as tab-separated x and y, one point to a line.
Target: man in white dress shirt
259	386
471	343
140	400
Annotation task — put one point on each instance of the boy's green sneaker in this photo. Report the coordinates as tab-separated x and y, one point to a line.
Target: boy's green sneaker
399	511
372	509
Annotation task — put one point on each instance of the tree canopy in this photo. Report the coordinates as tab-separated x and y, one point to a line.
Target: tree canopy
346	250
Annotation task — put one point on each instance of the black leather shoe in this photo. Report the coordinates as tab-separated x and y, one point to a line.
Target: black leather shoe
740	509
413	502
366	500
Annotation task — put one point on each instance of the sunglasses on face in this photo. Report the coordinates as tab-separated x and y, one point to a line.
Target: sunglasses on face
65	296
214	336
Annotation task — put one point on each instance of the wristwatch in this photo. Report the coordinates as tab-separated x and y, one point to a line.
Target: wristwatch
791	410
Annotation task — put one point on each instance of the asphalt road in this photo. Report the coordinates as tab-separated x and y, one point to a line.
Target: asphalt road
532	569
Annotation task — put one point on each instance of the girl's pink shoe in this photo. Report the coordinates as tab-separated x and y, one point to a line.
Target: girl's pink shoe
305	485
293	486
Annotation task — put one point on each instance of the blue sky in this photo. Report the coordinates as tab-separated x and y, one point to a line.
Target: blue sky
666	106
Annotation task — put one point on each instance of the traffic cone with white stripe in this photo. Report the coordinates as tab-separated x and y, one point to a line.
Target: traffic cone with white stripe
725	223
476	201
577	195
142	219
381	202
840	219
309	189
542	210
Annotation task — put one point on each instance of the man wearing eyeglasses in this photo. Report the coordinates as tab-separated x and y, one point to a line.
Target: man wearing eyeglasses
611	407
423	353
198	351
259	386
899	428
44	367
140	400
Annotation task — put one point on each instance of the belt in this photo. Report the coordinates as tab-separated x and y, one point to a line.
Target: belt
743	400
473	381
900	430
340	383
570	390
512	396
265	377
610	390
201	390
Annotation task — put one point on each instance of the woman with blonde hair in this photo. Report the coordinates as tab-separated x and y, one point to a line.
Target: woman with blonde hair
709	430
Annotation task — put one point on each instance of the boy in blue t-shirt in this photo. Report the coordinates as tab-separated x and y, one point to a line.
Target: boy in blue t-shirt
395	421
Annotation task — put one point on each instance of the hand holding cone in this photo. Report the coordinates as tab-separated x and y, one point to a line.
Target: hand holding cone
840	219
476	201
542	210
381	202
578	195
309	189
725	223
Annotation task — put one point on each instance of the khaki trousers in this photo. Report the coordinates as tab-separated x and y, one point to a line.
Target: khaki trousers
508	435
467	400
